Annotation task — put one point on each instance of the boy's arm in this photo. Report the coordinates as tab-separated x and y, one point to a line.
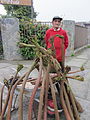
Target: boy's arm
46	39
66	41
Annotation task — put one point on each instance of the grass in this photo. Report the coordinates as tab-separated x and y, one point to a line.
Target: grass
72	54
88	46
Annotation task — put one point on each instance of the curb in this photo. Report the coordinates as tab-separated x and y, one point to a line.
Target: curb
81	48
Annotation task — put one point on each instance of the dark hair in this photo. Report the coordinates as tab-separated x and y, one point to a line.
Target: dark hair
57	17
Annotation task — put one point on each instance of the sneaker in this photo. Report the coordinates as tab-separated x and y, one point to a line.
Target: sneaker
50	108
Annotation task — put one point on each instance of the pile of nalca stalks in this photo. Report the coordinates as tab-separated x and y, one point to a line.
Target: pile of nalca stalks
45	62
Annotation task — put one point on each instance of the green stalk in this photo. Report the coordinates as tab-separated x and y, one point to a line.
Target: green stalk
20	110
67	115
34	91
76	114
78	105
11	97
54	99
41	96
1	98
68	103
46	92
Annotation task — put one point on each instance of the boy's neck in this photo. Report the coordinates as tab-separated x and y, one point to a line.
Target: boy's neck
56	29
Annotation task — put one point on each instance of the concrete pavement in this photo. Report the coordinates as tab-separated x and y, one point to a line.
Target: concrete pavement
80	89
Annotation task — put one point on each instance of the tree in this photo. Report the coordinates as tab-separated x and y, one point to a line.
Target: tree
20	11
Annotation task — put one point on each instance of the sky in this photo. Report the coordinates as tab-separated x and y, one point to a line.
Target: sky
2	11
77	10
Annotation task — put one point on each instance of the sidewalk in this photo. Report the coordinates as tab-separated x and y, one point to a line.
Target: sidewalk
80	89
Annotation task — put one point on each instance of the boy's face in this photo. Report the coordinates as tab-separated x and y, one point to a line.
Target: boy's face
56	23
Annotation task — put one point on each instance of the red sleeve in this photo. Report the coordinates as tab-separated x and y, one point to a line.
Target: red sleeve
66	41
46	38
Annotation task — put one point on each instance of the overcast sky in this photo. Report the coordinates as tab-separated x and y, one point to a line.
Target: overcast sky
78	10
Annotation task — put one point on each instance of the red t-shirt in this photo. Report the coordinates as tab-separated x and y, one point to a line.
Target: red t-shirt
57	41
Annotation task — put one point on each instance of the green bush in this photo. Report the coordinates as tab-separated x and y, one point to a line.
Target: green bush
27	29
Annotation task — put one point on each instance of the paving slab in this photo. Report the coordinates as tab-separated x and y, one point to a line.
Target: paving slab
87	65
86	106
82	56
4	65
88	95
76	62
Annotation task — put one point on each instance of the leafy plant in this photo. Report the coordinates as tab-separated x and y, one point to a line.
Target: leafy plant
28	29
20	12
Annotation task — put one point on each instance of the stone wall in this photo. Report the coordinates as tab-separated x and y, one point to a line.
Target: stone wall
88	26
10	38
69	26
81	36
89	35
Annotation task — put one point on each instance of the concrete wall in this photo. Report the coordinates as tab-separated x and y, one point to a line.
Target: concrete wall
88	35
69	26
10	38
88	26
81	36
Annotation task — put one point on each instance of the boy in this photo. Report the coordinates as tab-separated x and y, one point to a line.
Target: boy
59	52
56	29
